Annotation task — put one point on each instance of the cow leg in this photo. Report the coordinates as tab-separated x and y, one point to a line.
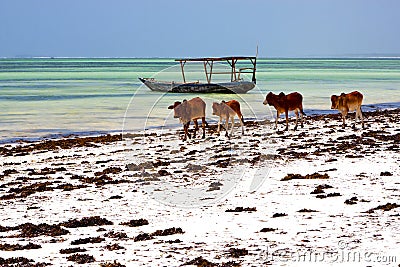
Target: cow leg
233	123
301	118
276	121
242	124
203	125
196	128
344	123
297	118
219	125
359	115
185	128
287	119
362	119
226	126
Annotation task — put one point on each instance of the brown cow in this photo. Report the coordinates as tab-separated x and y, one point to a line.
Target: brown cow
228	110
285	103
348	102
186	111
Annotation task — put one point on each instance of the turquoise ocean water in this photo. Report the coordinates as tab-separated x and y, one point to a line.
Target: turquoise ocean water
45	97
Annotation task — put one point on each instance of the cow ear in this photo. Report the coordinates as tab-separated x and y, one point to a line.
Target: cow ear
282	94
184	100
223	101
171	107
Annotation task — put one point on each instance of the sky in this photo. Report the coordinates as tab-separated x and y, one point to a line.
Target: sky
184	28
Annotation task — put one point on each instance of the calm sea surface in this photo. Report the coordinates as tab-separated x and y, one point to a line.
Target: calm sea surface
51	97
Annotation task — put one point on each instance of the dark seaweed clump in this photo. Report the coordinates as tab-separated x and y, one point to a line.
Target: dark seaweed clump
386	207
201	262
72	250
308	176
136	223
241	209
169	231
81	258
86	221
88	240
9	247
20	261
112	264
238	252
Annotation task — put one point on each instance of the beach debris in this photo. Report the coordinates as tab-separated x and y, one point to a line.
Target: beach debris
386	173
241	209
143	237
278	214
307	210
139	167
136	223
32	230
88	240
335	194
200	262
267	229
163	172
308	176
114	246
119	235
109	170
351	201
50	145
86	221
388	206
169	231
237	252
20	261
14	247
112	264
81	258
320	189
72	250
214	186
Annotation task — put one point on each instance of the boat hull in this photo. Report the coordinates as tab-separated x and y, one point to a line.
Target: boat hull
240	87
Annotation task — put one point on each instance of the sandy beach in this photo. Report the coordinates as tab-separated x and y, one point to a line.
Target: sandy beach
321	196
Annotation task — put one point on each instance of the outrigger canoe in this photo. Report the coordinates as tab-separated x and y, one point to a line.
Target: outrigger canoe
235	85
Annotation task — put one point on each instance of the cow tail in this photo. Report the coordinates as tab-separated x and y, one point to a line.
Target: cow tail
302	112
242	119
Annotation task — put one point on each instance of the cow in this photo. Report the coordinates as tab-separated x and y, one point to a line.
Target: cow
348	102
189	110
285	103
228	110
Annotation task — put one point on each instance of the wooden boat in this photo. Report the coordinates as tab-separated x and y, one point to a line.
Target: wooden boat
235	85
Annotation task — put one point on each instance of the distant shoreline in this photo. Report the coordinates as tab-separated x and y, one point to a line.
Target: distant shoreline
172	58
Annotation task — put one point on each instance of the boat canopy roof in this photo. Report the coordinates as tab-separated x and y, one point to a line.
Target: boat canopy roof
232	60
216	58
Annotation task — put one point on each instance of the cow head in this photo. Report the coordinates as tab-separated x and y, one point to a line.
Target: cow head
269	99
174	107
180	111
335	102
216	107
